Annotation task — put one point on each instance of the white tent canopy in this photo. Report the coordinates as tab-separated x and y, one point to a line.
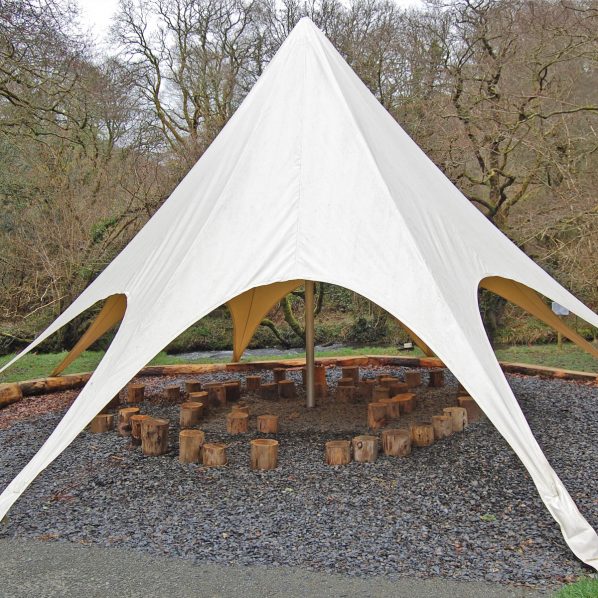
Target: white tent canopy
313	180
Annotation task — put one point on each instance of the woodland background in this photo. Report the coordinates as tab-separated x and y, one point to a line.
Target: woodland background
500	94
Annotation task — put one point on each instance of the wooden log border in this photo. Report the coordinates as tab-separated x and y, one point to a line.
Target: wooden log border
14	391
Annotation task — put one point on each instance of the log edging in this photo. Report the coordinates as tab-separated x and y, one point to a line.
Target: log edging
73	381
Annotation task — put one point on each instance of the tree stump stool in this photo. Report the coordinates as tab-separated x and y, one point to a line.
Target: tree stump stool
154	436
398	388
443	426
232	391
190	443
380	392
351	372
124	415
345	394
192	386
413	379
135	393
388	380
338	452
237	422
241	406
253	383
458	416
376	415
286	389
172	393
406	402
474	413
267	424
396	443
393	408
279	374
269	391
135	423
202	397
436	379
263	454
348	381
216	394
365	448
366	388
214	454
422	434
320	390
191	412
104	422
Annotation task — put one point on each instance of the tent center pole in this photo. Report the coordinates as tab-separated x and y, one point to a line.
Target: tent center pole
309	345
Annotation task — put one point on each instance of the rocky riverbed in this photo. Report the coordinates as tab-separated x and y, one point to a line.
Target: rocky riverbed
463	508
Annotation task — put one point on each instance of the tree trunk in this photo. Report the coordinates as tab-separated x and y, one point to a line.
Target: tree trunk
214	454
366	388
267	424
216	394
154	436
172	393
443	426
347	381
191	413
365	448
396	443
406	402
422	434
135	422
380	392
413	379
232	391
190	443
376	415
237	422
338	452
124	416
104	422
393	408
474	413
192	386
436	378
279	374
269	391
263	454
345	394
286	389
253	383
398	388
351	372
135	393
458	417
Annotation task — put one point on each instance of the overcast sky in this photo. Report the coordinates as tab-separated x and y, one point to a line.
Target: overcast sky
96	14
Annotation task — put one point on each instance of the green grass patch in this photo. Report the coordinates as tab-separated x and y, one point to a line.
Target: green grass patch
40	365
584	588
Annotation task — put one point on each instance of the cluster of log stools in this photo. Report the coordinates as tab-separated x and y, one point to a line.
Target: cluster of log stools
389	398
151	433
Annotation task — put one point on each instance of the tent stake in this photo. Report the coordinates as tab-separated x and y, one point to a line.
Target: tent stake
309	344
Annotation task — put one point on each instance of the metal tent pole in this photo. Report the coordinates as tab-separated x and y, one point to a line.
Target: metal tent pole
309	345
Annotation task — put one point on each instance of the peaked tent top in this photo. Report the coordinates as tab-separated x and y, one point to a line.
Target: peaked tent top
312	179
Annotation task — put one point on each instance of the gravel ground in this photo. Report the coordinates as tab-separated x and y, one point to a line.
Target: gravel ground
463	508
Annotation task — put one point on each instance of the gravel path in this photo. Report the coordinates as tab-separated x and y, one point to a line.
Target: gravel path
463	508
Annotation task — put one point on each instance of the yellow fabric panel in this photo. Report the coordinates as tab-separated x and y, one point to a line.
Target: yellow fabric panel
529	300
111	314
418	341
249	308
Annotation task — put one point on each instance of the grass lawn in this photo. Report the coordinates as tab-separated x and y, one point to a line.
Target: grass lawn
584	588
40	365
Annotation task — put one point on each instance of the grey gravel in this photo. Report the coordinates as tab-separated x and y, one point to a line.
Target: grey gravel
462	509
